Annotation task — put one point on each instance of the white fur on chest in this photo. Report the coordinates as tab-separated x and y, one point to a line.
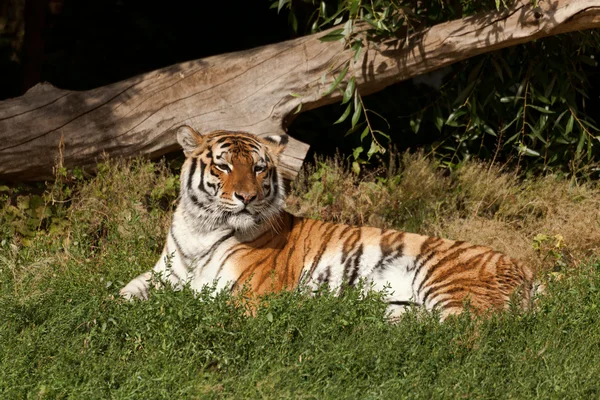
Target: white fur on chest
199	256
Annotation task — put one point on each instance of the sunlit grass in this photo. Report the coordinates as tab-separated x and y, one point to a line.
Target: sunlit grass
66	334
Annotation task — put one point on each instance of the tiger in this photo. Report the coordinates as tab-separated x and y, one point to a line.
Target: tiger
229	229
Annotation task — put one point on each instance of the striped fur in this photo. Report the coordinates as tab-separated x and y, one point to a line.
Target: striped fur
230	227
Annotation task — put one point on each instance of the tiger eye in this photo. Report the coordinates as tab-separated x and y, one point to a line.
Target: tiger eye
223	168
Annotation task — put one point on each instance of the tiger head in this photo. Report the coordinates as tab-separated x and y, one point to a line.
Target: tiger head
230	179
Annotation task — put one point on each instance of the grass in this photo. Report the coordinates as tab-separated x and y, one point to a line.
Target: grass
65	333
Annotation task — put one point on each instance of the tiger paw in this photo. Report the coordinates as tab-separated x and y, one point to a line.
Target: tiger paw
137	288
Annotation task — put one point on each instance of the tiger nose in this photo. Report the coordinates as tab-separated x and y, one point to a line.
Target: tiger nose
245	197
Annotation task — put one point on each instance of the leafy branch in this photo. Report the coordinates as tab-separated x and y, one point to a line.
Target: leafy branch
529	103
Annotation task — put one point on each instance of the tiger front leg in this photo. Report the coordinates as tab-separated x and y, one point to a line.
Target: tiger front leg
163	272
138	287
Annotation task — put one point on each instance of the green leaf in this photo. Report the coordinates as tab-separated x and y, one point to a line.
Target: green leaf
593	127
532	128
549	88
356	167
580	144
36	201
462	96
527	151
451	121
354	129
293	21
349	90
344	115
513	137
498	70
364	133
354	7
348	29
282	3
373	149
438	120
415	124
519	113
357	152
357	111
489	130
314	27
334	16
541	109
337	81
270	317
385	135
357	46
23	202
520	89
535	133
332	36
370	21
569	126
298	108
557	121
543	99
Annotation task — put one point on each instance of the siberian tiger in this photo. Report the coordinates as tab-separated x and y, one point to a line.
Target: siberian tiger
230	227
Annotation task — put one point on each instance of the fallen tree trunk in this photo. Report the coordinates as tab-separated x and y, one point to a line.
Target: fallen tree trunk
247	90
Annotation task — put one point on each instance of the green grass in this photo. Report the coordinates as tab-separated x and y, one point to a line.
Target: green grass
65	334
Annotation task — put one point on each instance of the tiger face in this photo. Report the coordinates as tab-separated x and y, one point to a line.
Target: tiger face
230	179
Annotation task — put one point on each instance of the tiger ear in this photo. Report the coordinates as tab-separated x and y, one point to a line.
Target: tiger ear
188	139
278	142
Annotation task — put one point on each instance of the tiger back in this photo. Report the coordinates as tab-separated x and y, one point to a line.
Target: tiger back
230	229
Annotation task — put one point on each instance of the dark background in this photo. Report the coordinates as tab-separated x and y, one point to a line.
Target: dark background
79	45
